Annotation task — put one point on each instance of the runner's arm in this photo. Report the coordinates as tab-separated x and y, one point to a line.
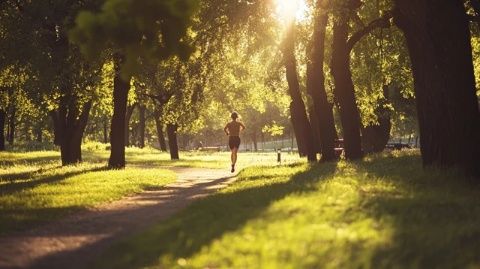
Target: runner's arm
243	126
226	129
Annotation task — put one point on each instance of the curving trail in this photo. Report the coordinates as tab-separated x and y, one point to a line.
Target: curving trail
78	239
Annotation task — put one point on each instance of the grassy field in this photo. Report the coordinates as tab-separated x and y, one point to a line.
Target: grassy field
382	212
148	157
35	189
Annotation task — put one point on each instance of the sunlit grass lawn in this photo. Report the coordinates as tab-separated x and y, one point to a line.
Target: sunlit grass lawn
153	157
383	212
34	188
150	157
31	194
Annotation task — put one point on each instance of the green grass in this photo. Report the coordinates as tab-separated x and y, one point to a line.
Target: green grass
35	189
150	157
382	212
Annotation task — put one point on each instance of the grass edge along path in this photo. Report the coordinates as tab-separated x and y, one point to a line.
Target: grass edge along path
32	197
382	212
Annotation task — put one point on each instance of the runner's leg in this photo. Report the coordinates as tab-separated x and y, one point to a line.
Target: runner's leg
234	156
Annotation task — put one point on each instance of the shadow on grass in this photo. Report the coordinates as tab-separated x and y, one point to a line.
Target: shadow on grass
19	175
13	187
200	224
30	160
434	215
20	218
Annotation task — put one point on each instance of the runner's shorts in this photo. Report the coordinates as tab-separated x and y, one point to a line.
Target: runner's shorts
234	142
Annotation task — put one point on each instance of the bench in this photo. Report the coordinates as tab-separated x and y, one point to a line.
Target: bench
210	149
397	146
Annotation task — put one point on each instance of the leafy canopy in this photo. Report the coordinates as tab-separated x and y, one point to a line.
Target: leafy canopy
143	31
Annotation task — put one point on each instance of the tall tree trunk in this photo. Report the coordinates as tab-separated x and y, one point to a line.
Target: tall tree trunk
254	140
161	137
69	130
172	141
375	136
141	127
39	132
105	130
58	128
344	90
315	129
26	132
11	124
438	40
3	116
300	122
128	116
121	88
316	86
159	124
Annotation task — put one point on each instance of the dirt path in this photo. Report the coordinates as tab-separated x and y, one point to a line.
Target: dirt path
78	239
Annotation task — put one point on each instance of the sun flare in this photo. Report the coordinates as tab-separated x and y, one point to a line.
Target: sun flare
288	10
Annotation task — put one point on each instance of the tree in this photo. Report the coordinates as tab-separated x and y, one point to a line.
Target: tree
323	109
39	49
344	88
438	39
141	32
300	121
121	87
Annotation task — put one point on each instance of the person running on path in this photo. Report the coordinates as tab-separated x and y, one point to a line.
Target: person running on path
232	129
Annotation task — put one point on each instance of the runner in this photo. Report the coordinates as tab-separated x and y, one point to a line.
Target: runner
232	129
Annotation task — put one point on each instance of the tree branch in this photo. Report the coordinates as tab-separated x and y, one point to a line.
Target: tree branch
382	22
473	18
475	4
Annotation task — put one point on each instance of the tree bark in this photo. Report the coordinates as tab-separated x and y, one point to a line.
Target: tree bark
39	132
254	140
141	127
3	116
11	124
316	87
159	124
344	90
105	130
172	141
128	116
121	88
375	137
315	129
69	130
438	39
300	122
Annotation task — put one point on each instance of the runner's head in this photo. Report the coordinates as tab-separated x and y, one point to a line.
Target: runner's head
234	115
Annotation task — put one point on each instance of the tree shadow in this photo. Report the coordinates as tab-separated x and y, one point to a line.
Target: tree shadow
20	218
434	215
30	160
16	176
184	234
12	187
